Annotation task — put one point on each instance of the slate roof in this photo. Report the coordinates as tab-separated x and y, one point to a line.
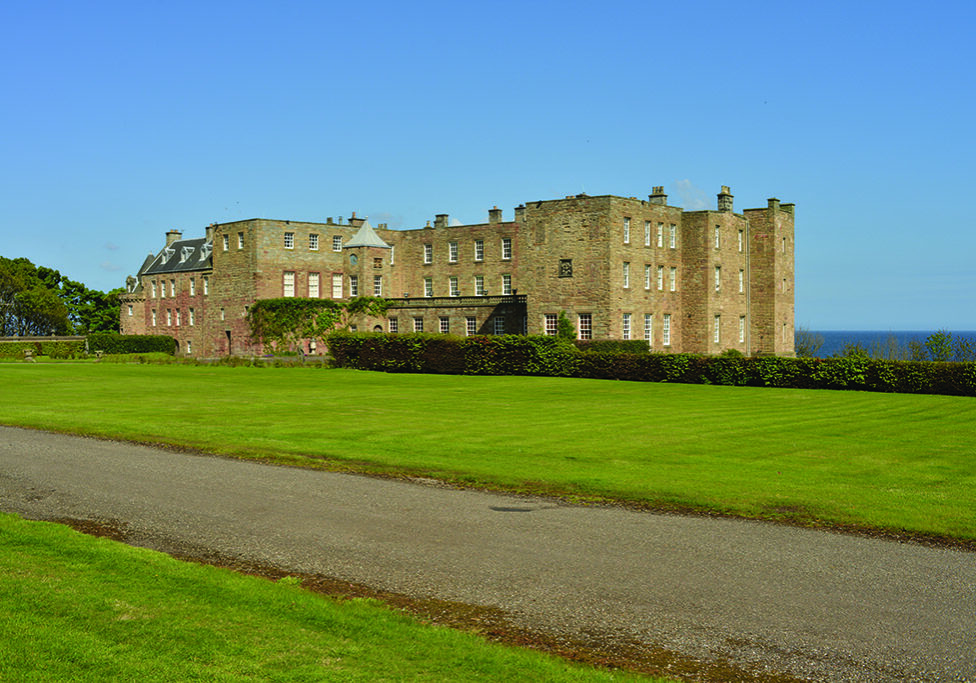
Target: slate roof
182	256
366	237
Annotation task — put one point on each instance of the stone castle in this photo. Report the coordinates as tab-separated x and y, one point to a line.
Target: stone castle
619	267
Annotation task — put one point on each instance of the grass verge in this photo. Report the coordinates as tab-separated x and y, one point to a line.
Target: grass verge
901	464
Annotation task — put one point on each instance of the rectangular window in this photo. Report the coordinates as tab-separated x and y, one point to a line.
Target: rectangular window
154	317
660	234
626	231
649	329
584	327
378	263
666	330
223	315
647	276
742	329
353	285
647	233
206	285
169	317
153	285
337	243
479	285
192	318
289	240
479	250
626	275
226	240
313	285
742	277
172	287
130	310
428	253
674	236
718	278
716	327
673	283
626	326
452	252
189	346
240	240
377	285
718	238
506	284
428	287
506	248
454	286
660	278
551	324
289	283
193	286
392	256
445	324
471	325
418	324
740	241
393	325
313	242
498	325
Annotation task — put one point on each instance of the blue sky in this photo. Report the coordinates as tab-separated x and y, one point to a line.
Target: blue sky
122	120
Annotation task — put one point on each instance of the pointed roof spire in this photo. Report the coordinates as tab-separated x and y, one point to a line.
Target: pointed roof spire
366	237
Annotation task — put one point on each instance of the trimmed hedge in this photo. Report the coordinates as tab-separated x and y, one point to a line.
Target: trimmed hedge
524	355
108	342
613	346
54	349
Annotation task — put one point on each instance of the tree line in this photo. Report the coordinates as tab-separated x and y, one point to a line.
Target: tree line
941	346
40	301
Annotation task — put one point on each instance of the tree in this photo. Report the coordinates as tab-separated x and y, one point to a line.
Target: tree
806	343
564	327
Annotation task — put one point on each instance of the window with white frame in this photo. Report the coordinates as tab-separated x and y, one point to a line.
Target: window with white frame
740	241
172	287
240	240
716	329
393	325
152	284
718	237
647	233
660	278
193	286
742	278
353	285
625	327
498	325
552	324
673	241
428	253
718	278
313	242
189	346
169	317
192	318
666	329
206	285
289	240
506	248
470	325
479	285
314	289
742	329
337	243
673	279
154	317
660	234
626	231
647	276
377	285
428	287
130	310
452	252
479	250
418	324
584	327
454	286
226	242
649	329
506	284
392	256
445	324
626	274
289	283
223	314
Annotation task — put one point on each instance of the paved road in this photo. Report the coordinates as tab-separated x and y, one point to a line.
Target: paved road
799	602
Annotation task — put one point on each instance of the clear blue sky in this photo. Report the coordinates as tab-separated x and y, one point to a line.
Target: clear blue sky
122	120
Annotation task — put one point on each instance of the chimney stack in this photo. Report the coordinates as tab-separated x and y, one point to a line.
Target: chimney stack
658	196
520	213
440	220
725	200
173	235
211	229
494	215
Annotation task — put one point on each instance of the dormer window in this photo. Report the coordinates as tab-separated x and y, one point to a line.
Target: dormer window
168	254
185	253
205	251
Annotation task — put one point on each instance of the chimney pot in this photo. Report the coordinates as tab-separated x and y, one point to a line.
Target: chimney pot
657	196
725	200
173	235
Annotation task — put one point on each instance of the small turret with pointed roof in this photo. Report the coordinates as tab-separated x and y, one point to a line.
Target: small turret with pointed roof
366	237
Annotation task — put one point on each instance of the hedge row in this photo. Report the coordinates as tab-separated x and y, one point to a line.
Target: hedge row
53	349
108	342
523	355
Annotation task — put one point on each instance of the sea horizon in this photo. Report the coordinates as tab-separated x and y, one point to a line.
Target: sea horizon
835	340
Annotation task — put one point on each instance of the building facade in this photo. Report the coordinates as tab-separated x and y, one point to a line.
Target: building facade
619	268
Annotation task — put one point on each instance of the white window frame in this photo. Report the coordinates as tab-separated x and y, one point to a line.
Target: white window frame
717	329
498	325
626	231
313	241
479	285
666	330
470	325
506	248
226	242
240	240
742	278
479	250
353	285
315	285
377	285
444	324
718	237
626	274
647	233
673	279
191	317
154	317
647	276
206	285
718	278
418	324
428	287
506	284
152	284
550	324
288	284
428	253
452	252
660	278
584	326
289	240
169	317
393	325
742	329
660	235
673	239
740	241
649	329
193	286
625	326
337	243
130	310
172	288
453	286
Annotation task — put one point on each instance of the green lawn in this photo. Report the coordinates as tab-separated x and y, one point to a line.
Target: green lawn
882	461
77	608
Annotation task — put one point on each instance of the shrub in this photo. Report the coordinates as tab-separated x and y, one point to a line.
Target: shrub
107	342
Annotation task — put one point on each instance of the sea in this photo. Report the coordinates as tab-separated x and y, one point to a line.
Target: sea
836	340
